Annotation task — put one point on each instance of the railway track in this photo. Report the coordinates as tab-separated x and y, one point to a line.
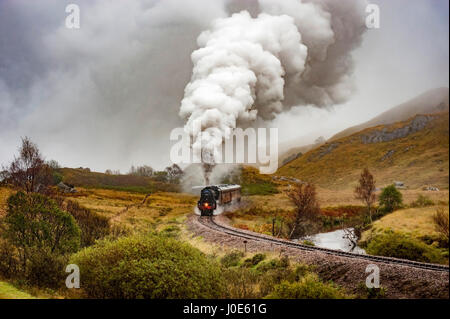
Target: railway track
212	224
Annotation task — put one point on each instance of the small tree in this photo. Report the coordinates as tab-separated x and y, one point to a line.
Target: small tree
307	208
390	198
34	221
365	191
28	171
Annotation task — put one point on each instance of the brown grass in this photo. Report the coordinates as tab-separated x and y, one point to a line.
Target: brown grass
415	222
420	159
128	208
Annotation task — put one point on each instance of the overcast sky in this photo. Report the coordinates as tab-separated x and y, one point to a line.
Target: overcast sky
108	94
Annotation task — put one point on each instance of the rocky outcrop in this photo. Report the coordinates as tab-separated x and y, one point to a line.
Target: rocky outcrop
385	135
388	155
323	150
292	157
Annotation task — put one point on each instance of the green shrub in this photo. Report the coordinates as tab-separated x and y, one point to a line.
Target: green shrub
273	264
308	243
38	236
258	282
308	287
57	177
256	259
46	269
148	266
9	259
34	220
272	277
422	201
171	231
93	225
265	188
394	244
390	199
376	293
241	283
232	259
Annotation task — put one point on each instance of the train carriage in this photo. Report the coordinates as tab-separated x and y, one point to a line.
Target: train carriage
214	196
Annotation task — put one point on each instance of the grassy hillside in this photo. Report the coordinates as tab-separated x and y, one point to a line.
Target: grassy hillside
433	101
414	151
8	291
415	222
293	152
408	233
84	178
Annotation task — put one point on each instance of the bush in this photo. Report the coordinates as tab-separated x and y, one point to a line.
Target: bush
93	226
149	266
259	281
46	269
38	236
34	220
273	264
422	201
9	259
308	243
308	287
171	231
266	188
232	259
393	244
241	283
441	224
390	199
255	260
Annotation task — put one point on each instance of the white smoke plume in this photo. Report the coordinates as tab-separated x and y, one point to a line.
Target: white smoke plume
292	53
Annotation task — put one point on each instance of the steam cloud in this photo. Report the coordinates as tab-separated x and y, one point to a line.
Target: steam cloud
292	53
107	95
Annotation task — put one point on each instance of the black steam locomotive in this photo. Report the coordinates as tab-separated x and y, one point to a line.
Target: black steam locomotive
218	195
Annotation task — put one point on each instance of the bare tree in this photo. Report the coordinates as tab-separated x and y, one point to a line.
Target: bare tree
320	140
441	223
307	209
53	164
29	171
174	173
365	191
143	170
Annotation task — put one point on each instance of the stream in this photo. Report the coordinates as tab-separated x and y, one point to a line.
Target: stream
334	240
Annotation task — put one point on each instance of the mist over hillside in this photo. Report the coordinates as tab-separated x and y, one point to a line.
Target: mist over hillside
432	101
415	151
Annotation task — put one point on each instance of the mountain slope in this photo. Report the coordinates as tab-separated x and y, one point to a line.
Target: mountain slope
433	101
413	151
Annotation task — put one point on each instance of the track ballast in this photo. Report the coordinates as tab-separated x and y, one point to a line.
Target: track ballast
211	223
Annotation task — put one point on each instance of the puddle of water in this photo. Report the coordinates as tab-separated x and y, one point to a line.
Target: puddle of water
334	240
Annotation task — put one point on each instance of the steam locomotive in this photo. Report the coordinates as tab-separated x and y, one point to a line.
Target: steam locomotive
218	195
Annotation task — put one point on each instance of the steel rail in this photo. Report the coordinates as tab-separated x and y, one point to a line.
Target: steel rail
211	223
